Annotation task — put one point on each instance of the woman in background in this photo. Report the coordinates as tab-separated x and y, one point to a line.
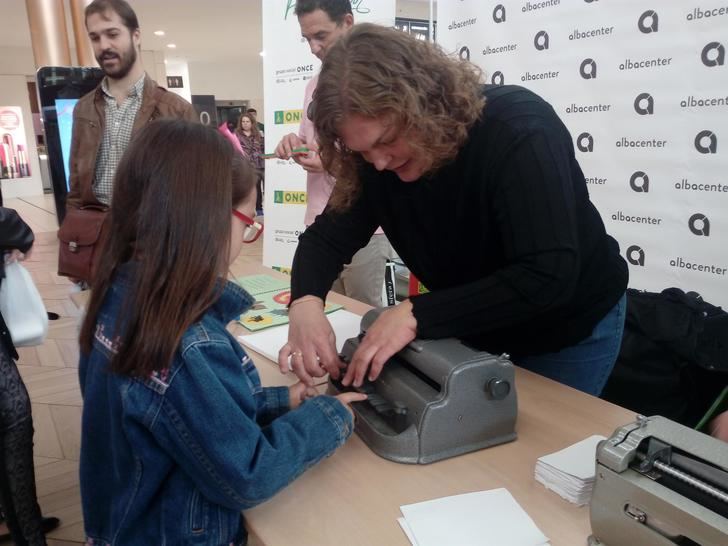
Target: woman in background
178	434
253	144
18	498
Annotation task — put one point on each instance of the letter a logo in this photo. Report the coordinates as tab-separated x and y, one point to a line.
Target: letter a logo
585	142
640	182
635	255
588	69
541	40
713	60
648	22
644	104
706	142
699	225
499	14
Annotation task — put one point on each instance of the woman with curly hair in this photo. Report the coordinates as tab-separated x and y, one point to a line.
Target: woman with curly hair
480	193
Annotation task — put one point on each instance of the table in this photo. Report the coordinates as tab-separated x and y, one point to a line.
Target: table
353	498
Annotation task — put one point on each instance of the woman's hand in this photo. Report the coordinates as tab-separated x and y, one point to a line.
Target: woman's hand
311	162
390	333
299	392
311	348
287	144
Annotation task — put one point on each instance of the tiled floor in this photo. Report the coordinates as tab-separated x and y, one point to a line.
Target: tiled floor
50	374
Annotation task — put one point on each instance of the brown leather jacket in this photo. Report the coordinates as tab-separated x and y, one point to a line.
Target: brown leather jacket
88	129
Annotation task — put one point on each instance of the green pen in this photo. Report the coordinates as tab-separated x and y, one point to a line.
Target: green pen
295	151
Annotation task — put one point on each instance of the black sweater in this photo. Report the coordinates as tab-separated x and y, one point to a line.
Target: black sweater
514	254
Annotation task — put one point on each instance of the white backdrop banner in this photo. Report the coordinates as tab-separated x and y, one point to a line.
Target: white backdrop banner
643	88
287	66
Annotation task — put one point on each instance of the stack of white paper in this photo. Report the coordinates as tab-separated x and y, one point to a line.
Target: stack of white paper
269	341
473	519
570	472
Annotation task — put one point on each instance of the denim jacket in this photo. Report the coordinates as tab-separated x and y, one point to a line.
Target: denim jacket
174	458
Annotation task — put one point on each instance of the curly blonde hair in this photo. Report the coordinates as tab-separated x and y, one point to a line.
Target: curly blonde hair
376	71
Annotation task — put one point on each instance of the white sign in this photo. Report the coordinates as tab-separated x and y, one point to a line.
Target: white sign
643	88
287	66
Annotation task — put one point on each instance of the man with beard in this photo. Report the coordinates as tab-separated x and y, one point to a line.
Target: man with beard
105	120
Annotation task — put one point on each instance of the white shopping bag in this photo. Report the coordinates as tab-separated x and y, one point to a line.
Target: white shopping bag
22	307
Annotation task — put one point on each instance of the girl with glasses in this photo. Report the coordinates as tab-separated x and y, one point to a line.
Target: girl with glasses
178	434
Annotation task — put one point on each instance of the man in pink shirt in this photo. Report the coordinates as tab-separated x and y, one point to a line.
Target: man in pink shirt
322	23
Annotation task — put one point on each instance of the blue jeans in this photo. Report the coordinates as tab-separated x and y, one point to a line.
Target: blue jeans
585	366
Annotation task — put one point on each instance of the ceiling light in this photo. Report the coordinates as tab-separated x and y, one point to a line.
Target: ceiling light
171	46
159	33
262	53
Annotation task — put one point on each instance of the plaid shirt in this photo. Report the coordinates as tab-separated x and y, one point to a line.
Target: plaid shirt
117	134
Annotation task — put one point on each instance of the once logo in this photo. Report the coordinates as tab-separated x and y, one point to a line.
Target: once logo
644	104
289	197
497	78
640	182
588	69
713	54
464	53
699	225
541	40
706	142
499	14
635	255
281	117
585	142
648	22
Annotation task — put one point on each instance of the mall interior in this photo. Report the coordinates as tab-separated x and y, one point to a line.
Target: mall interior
216	48
517	458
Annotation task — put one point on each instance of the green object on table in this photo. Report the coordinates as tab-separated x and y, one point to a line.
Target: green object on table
271	302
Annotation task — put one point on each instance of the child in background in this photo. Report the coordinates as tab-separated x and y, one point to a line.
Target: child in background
178	435
18	496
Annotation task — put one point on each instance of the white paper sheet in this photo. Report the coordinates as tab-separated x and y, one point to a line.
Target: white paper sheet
578	460
407	531
473	519
269	341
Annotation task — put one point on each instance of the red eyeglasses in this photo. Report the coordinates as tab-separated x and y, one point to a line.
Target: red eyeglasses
252	228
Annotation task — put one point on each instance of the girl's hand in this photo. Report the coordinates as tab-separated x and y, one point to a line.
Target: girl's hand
299	392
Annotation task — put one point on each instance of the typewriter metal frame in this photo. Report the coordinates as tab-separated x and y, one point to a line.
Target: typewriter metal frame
659	483
435	399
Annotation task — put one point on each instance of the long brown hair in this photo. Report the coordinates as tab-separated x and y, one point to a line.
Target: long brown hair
254	131
375	71
170	213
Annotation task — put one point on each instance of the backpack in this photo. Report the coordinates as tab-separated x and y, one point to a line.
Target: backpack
674	356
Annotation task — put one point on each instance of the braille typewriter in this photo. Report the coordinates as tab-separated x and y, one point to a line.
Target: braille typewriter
659	483
434	399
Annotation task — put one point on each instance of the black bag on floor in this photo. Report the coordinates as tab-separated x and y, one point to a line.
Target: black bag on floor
674	356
